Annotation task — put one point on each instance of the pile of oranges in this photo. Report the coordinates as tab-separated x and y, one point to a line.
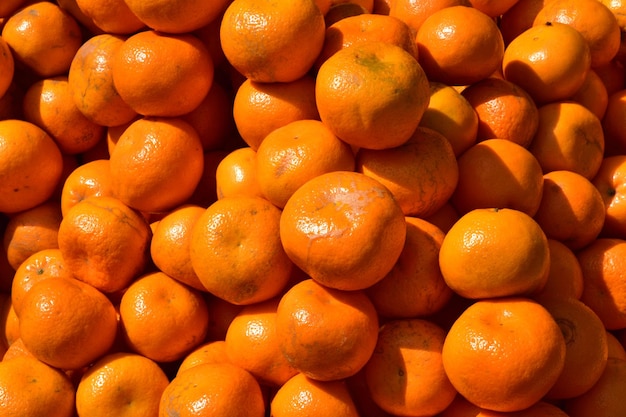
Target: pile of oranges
368	208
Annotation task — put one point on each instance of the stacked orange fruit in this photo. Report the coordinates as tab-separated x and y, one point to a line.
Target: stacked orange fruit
340	208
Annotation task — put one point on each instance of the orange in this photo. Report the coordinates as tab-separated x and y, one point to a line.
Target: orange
111	16
253	344
123	384
504	110
90	77
604	290
569	137
519	18
413	13
586	342
31	165
384	87
593	94
209	352
592	19
492	252
325	333
406	170
49	104
405	375
365	27
67	323
236	174
44	264
343	229
571	210
183	64
30	231
43	38
31	388
415	286
493	8
219	389
92	178
104	242
176	16
549	61
7	64
281	51
259	108
610	180
498	173
156	164
459	45
565	278
302	396
236	250
292	154
213	118
504	354
162	318
605	397
171	239
450	114
613	122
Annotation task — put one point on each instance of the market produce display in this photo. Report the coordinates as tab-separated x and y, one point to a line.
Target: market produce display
313	208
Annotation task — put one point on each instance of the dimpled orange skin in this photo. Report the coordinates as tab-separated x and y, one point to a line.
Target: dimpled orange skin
333	225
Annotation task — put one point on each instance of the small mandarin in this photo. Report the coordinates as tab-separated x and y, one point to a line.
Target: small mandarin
252	343
610	181
569	137
586	347
325	333
162	318
383	85
104	242
414	287
49	104
571	210
92	178
43	38
156	163
67	323
219	389
504	354
498	173
281	51
31	388
459	45
124	384
494	253
292	154
236	250
405	374
302	396
111	16
344	229
549	61
236	174
183	63
90	79
406	170
31	165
